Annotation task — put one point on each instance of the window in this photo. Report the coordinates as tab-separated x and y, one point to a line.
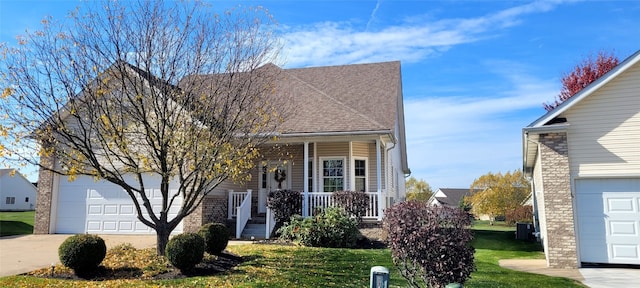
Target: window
333	175
26	199
264	177
11	200
310	179
360	175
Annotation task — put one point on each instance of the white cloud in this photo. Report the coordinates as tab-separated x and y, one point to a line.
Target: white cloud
451	138
331	43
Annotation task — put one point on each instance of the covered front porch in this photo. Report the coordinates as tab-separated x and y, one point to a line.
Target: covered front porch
263	223
316	169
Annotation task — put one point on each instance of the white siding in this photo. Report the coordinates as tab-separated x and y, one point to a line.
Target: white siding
20	190
538	189
604	131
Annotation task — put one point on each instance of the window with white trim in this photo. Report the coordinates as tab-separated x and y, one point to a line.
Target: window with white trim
333	174
10	200
360	175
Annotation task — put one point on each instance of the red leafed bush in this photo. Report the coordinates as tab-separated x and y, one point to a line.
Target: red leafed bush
430	245
520	214
284	203
353	202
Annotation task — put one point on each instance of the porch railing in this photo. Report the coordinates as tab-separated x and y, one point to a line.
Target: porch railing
271	223
243	213
321	200
235	200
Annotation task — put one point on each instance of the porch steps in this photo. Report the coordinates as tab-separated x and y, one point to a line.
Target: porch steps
256	228
253	231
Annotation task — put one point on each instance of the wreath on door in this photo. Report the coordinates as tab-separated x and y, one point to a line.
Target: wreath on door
280	175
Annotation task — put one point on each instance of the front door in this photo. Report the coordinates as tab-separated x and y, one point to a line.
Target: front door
274	175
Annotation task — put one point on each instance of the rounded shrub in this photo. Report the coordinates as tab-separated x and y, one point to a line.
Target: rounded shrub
82	253
185	250
216	237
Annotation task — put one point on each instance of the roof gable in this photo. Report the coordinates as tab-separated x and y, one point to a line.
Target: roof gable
451	196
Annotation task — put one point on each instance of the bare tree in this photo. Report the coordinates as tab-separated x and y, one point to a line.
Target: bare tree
127	89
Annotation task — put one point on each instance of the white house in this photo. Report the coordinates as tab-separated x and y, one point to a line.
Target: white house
16	192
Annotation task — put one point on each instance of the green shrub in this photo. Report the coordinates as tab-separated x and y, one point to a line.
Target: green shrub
185	250
333	228
82	253
216	237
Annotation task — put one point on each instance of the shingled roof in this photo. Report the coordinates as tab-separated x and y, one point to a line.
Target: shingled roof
347	98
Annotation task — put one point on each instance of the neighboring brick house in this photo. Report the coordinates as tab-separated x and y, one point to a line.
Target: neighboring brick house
347	133
583	159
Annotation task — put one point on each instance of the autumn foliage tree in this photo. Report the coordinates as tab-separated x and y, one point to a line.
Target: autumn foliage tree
497	194
582	75
418	190
111	94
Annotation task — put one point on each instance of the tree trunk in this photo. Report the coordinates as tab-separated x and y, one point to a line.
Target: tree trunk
162	238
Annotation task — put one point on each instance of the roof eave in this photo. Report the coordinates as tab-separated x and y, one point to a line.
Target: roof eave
530	136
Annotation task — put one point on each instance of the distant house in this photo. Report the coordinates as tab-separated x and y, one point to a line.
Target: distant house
583	158
16	192
451	197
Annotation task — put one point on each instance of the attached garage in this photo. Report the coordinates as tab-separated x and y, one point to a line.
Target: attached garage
101	207
608	213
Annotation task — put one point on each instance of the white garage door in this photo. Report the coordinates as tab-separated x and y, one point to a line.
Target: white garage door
609	220
100	207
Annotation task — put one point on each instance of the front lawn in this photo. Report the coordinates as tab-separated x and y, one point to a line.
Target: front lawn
16	223
292	266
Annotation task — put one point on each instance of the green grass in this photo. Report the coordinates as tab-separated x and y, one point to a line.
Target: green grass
292	266
16	223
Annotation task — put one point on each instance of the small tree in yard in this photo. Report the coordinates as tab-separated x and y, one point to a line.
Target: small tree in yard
418	190
430	245
128	89
496	194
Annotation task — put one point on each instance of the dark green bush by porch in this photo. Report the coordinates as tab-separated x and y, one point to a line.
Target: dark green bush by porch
216	237
353	202
284	204
185	250
333	228
82	253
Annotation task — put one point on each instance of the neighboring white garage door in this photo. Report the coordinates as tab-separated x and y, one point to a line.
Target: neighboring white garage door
100	207
609	220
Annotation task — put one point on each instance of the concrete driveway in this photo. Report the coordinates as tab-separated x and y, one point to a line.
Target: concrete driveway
592	277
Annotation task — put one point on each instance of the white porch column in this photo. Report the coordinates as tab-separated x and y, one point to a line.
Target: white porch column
379	177
305	201
351	184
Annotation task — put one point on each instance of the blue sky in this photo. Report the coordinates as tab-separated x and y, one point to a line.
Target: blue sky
474	72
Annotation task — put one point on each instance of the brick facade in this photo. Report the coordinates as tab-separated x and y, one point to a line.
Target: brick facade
558	202
42	221
212	210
